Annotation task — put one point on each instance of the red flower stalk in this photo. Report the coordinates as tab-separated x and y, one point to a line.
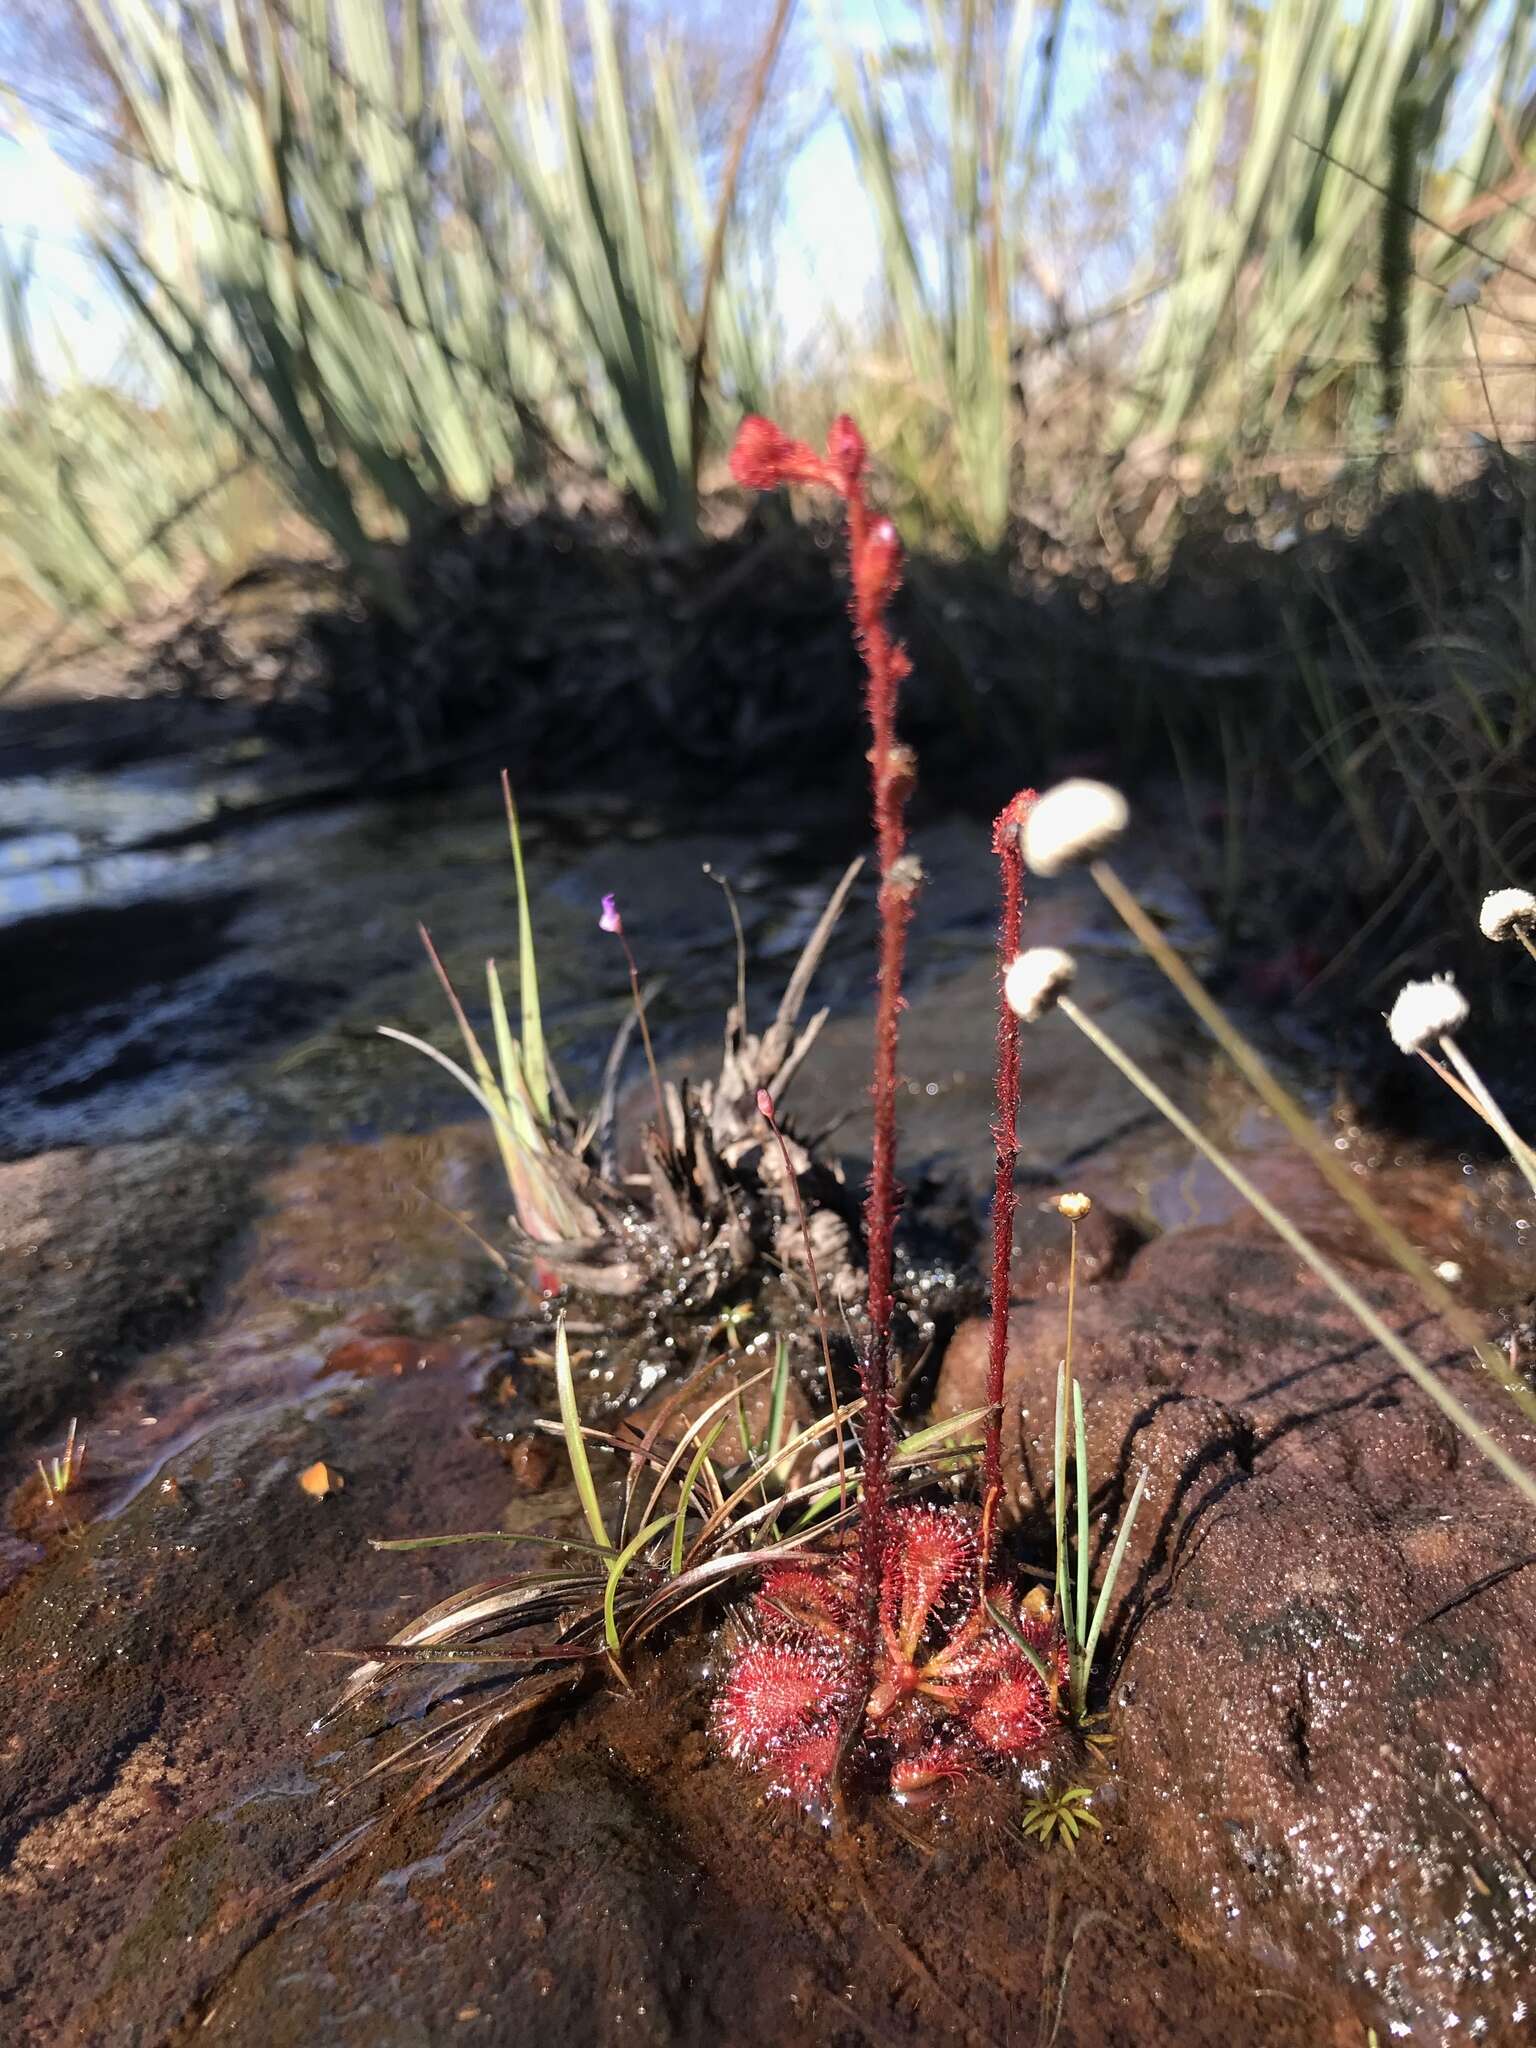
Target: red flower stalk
763	457
1005	1131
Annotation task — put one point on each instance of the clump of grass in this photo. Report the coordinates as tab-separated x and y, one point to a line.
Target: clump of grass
1074	1564
573	1221
687	1527
59	1474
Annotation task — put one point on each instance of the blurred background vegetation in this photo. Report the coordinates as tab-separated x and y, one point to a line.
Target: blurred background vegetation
1112	285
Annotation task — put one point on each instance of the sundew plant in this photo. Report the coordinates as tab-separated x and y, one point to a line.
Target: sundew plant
890	1634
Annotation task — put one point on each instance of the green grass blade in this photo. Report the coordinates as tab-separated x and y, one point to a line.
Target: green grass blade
778	1395
616	1571
535	1053
685	1496
1082	1564
575	1444
1112	1571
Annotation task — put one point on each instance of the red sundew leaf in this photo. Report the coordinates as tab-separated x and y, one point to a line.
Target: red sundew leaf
946	1760
846	452
932	1551
798	1597
777	1695
1015	1716
802	1770
1009	821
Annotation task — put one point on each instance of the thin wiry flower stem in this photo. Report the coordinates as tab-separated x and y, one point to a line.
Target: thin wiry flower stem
1526	940
1443	1073
1488	1107
890	778
1005	1133
1390	1342
1277	1098
766	1112
663	1122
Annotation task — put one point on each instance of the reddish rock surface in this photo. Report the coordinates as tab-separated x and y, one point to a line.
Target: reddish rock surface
1325	1648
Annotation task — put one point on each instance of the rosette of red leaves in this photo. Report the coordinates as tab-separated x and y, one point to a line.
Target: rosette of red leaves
953	1690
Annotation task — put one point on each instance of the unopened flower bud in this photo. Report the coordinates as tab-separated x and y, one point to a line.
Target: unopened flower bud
1036	979
846	451
906	874
765	1105
1008	826
764	457
1072	822
610	921
897	768
878	564
1506	913
1425	1011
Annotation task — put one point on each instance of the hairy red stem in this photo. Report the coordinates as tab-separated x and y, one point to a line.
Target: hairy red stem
764	457
1005	1133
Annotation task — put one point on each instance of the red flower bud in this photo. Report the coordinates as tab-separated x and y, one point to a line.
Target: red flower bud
765	457
846	451
877	568
1010	821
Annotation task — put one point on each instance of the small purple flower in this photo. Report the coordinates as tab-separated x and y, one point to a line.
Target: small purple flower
610	921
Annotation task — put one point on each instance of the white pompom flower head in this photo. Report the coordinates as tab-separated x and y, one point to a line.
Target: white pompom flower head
1507	913
1072	822
1035	979
1425	1011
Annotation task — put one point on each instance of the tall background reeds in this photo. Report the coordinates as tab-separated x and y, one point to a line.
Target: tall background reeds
1136	283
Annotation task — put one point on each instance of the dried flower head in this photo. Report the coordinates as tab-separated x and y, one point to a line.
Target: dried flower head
1425	1011
1466	291
1506	913
610	921
1036	979
1072	822
1074	1206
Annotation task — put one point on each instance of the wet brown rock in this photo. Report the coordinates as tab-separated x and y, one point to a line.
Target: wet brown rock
1106	1243
473	1342
1328	1756
101	1254
1325	1649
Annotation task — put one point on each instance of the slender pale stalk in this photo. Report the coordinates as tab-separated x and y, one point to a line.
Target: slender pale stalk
663	1122
765	1111
1390	1342
1276	1097
1475	1085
